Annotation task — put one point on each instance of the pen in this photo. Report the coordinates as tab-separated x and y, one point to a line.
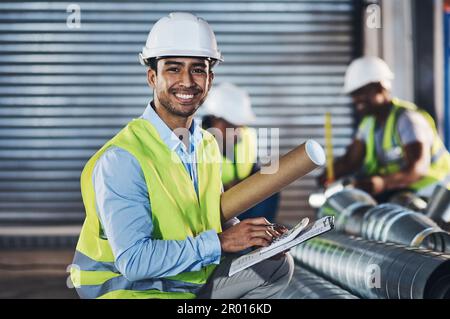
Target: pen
275	227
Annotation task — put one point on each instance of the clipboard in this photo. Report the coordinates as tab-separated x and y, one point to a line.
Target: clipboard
321	226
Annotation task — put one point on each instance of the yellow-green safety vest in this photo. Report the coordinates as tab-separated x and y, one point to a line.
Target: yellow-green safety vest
177	212
244	157
439	170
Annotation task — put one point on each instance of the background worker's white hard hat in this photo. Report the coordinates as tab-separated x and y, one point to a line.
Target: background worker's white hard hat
180	34
365	70
231	103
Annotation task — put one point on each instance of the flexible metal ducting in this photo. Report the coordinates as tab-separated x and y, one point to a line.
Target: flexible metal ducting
377	270
354	215
438	208
307	285
347	206
393	223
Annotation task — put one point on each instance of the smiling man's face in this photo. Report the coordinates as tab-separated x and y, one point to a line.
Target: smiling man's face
181	84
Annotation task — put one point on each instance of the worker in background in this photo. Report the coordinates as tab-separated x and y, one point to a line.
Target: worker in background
153	227
229	111
396	146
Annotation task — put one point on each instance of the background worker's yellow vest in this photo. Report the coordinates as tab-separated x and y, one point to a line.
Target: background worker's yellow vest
177	213
439	169
244	157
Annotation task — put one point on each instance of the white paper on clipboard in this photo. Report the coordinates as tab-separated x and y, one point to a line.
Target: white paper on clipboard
319	227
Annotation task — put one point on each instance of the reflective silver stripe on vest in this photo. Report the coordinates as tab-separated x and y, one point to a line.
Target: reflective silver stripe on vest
121	283
88	264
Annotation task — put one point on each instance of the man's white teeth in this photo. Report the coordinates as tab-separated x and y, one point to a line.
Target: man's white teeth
184	96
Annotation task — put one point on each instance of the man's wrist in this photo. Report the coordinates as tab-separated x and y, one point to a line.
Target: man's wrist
210	247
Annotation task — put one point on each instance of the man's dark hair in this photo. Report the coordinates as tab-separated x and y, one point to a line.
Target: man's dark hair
152	63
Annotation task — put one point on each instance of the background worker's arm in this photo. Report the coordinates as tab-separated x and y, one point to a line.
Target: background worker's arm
417	159
417	137
125	213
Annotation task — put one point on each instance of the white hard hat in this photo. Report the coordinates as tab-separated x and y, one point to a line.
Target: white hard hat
365	70
230	103
180	34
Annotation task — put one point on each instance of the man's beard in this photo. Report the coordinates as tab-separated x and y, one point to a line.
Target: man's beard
172	110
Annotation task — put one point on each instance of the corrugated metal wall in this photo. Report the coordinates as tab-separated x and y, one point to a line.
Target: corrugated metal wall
64	92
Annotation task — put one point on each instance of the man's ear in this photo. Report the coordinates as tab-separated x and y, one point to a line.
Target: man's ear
151	78
211	78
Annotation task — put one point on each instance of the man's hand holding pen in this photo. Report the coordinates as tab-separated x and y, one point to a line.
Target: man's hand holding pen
249	233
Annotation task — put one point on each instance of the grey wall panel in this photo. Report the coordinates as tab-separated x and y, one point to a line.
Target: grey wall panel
64	92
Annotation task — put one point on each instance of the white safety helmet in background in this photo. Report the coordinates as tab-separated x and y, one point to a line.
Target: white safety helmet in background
180	34
231	103
365	70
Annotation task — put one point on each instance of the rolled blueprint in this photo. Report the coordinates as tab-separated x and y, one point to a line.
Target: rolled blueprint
259	186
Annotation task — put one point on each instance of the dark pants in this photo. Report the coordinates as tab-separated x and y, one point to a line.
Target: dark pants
268	209
265	280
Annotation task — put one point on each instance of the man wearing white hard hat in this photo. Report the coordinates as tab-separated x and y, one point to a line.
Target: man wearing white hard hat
152	193
229	113
396	147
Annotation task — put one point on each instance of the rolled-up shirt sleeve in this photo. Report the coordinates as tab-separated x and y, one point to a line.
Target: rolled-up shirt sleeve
124	210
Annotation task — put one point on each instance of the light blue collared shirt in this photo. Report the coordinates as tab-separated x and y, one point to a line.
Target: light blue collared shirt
124	210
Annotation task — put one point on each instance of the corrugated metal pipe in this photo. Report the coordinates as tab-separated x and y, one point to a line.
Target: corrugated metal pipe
307	285
377	270
356	214
438	208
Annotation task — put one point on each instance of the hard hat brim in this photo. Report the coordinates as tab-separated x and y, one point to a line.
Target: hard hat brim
185	53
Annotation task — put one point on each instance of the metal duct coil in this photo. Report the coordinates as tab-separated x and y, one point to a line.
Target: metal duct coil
438	208
395	224
347	205
307	285
377	270
356	214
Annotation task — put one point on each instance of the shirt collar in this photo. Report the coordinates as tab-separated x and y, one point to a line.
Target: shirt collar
168	136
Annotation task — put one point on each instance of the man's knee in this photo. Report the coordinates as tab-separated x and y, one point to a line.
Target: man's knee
283	273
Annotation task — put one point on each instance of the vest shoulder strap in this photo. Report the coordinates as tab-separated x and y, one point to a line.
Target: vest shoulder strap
402	106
